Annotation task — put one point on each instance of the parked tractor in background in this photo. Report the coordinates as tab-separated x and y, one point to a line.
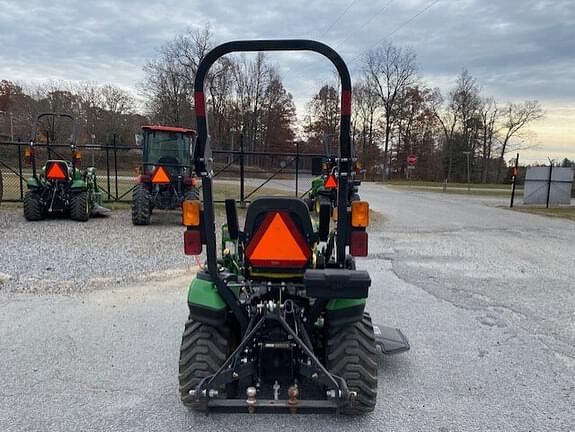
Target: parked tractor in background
324	183
165	177
60	186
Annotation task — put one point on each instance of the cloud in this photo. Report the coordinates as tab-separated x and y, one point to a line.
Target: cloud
517	49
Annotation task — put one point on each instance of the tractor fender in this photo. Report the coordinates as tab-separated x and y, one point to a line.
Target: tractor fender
343	311
33	183
78	185
205	302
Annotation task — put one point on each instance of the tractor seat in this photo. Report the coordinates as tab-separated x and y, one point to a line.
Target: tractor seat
278	237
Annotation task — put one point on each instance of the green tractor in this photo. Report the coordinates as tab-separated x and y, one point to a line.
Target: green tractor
60	186
324	183
278	321
166	176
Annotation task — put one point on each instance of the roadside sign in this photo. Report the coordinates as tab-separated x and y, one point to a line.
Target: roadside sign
411	159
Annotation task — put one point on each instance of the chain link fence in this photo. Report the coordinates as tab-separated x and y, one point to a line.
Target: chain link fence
238	174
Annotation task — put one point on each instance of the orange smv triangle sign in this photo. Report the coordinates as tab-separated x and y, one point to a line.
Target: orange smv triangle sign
160	176
330	182
278	243
55	172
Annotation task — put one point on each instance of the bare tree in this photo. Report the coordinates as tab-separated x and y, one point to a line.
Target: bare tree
324	116
365	114
516	116
390	70
488	113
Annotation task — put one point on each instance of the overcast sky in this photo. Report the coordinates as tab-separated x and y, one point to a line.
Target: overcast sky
516	49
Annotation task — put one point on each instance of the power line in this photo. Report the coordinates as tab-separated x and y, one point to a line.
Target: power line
365	24
334	22
337	44
396	29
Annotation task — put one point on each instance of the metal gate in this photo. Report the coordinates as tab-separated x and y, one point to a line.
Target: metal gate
243	174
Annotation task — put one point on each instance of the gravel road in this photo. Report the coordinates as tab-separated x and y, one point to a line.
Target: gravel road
485	295
63	256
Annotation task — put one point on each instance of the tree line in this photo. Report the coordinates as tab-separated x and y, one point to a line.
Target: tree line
395	114
104	112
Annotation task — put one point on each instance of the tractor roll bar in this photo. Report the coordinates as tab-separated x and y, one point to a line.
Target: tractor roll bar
202	160
55	114
75	130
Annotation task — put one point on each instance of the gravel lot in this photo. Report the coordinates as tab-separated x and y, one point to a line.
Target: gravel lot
485	295
63	256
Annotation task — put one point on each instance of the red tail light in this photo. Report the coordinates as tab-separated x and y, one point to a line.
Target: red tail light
142	178
358	244
192	242
189	181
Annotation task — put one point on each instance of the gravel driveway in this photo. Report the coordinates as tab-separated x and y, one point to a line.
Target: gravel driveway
485	295
63	256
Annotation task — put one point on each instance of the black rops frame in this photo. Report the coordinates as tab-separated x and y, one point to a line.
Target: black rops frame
203	159
75	130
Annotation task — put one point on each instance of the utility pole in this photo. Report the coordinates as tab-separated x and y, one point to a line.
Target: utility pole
515	174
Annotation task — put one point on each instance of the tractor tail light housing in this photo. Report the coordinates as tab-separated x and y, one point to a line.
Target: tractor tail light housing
77	157
142	178
191	213
192	242
189	181
359	214
28	154
358	244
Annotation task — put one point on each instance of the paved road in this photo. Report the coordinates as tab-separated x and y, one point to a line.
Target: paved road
485	296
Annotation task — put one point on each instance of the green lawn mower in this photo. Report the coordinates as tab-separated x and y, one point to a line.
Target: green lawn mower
60	187
166	175
278	321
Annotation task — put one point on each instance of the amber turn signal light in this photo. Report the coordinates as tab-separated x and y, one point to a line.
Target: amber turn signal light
359	214
191	213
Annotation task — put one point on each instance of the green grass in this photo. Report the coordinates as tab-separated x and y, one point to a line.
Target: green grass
222	190
556	212
498	190
449	185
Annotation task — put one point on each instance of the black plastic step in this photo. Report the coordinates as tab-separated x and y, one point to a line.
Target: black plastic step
390	340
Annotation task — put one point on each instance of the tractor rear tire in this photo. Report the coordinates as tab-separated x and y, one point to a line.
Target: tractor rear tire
141	206
80	207
33	210
352	355
204	349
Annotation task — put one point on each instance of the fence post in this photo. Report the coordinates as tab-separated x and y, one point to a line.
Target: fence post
296	167
108	167
549	184
116	166
242	169
515	173
20	172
